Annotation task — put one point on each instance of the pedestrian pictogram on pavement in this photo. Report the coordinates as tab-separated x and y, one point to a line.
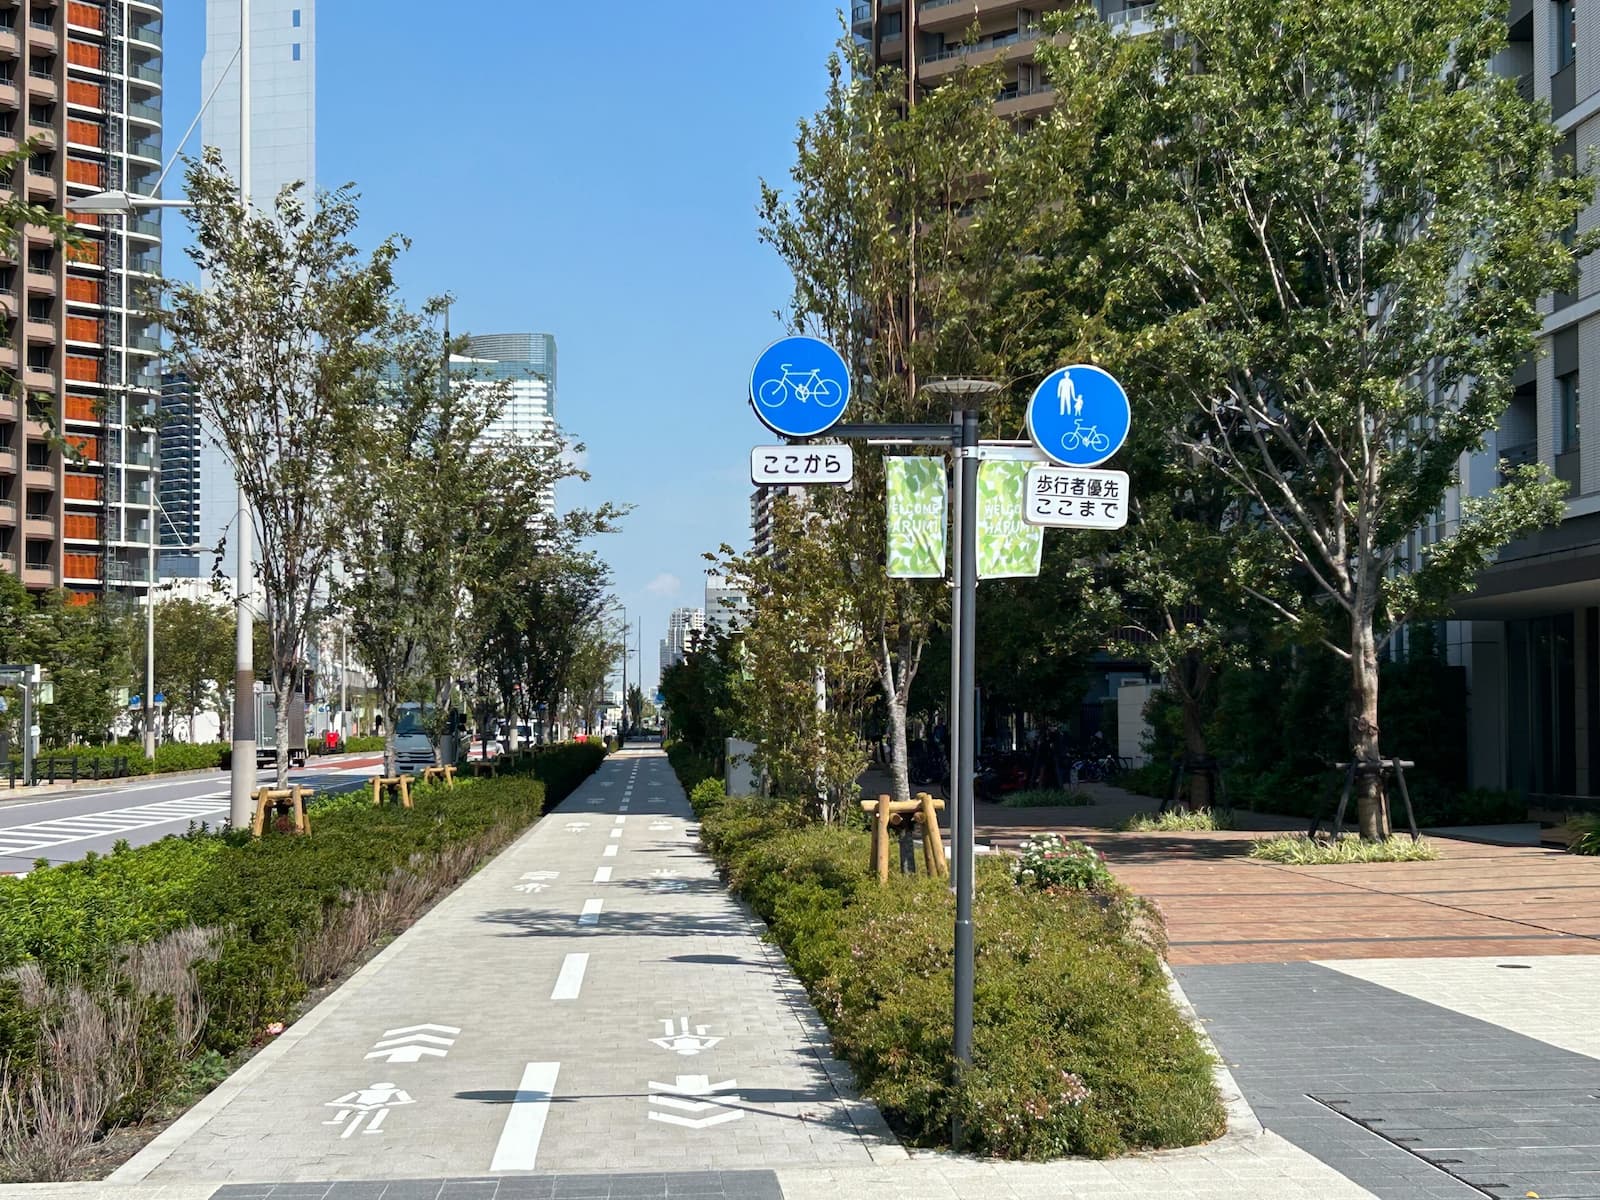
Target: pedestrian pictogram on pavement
411	1043
694	1094
370	1104
534	881
680	1040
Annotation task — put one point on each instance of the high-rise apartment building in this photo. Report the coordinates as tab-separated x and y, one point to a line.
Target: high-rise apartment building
198	494
82	78
526	364
941	36
684	626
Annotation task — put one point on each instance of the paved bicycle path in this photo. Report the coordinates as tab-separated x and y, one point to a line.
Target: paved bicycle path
592	1000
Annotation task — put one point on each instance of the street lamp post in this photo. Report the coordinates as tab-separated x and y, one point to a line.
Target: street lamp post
242	775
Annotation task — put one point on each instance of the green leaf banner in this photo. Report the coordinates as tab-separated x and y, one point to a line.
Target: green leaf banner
1008	547
918	508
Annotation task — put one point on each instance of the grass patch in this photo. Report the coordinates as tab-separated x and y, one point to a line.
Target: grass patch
1176	820
1296	849
128	980
1585	831
1046	798
1078	1047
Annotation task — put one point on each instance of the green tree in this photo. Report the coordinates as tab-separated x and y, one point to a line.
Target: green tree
1345	218
74	643
698	695
194	656
799	637
636	704
901	225
280	344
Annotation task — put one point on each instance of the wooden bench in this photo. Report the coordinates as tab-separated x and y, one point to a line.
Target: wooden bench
386	785
291	801
433	774
890	814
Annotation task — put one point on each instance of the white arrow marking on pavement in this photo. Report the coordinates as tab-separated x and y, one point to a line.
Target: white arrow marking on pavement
591	912
610	851
570	981
720	1095
418	1038
518	1149
407	1054
602	874
420	1029
577	826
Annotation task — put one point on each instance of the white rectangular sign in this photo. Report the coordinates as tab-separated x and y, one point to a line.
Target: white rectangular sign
1076	498
801	464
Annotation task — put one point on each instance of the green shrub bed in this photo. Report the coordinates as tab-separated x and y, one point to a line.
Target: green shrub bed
1176	820
123	974
1298	850
1078	1047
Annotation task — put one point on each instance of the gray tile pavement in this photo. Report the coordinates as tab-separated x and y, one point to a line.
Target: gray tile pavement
1408	1099
682	1043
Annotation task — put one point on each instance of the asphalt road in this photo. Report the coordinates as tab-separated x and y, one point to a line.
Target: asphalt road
67	826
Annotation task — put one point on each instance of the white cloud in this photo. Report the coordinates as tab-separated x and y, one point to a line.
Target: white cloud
664	584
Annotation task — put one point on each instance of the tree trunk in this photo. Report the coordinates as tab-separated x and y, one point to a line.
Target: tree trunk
389	696
897	744
1194	748
1372	804
281	723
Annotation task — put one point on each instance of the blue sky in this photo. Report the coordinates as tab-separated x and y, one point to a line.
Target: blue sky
594	177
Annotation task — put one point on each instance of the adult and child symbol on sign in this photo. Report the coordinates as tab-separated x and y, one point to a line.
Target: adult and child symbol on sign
1072	406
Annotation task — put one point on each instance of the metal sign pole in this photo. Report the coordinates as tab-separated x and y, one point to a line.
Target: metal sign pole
952	720
967	588
30	682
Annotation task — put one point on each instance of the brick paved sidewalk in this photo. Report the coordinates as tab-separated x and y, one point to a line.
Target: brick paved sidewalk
1221	906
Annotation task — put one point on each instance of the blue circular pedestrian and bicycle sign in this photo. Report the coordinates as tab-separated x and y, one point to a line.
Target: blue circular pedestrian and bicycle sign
1079	416
799	387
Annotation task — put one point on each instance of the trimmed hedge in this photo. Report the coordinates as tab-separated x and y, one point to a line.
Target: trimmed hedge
252	926
1078	1046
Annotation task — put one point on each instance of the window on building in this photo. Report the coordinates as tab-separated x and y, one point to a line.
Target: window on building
1566	33
294	18
1568	422
892	25
42	259
41	358
40	308
294	52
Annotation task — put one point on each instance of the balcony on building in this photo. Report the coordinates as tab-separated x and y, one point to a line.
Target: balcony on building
82	409
42	33
8	462
81	568
144	35
38	565
81	527
83	487
86	94
38	472
10	37
38	518
90	18
42	83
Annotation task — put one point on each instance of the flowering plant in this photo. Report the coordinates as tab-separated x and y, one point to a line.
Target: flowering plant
1051	861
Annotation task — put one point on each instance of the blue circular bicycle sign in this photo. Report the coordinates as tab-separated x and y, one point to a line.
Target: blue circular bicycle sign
799	387
1079	416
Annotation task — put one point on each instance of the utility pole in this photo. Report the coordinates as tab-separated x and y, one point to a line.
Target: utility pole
242	778
624	734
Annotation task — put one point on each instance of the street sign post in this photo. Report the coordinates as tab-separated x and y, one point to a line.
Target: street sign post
799	387
801	464
1079	416
1076	498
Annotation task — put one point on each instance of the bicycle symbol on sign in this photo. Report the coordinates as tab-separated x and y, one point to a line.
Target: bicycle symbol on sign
1089	437
804	386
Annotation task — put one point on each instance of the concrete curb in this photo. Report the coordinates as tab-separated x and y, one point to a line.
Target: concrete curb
1242	1120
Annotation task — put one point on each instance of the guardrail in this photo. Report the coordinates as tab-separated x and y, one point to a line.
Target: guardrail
72	768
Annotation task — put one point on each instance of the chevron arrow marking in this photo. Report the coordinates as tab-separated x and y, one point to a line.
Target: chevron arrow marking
405	1054
389	1033
698	1123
